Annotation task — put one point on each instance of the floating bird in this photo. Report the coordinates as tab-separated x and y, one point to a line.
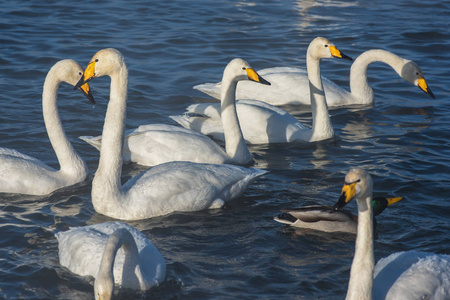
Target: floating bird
262	123
23	174
163	189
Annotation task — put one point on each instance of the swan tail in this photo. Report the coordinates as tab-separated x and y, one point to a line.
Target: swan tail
95	142
211	89
183	120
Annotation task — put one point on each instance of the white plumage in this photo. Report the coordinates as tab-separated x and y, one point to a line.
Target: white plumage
82	250
23	174
165	188
290	85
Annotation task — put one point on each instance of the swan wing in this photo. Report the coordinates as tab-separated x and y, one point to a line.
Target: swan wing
81	250
154	144
260	122
412	275
185	186
23	174
288	86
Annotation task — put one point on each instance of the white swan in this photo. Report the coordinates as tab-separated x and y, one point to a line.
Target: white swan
411	284
155	144
112	253
290	85
330	218
262	123
22	174
165	188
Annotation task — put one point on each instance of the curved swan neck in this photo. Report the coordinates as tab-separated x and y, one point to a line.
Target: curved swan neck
234	140
321	123
107	178
361	274
359	85
69	160
105	276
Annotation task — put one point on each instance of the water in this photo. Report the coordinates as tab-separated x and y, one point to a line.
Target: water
239	251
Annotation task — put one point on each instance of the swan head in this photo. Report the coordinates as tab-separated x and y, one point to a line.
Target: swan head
412	73
70	71
103	287
238	69
104	62
321	47
358	184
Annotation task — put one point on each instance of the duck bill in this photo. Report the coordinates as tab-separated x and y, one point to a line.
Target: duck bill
253	76
85	89
393	200
347	194
89	74
335	52
422	84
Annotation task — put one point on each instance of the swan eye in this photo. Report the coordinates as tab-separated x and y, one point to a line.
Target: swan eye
359	180
325	46
96	60
79	73
243	68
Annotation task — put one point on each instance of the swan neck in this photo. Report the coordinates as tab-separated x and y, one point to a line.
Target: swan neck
234	140
107	178
321	123
361	273
69	160
119	238
359	85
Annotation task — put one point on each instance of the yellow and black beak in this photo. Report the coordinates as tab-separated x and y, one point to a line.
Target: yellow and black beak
347	194
253	76
422	84
338	54
86	90
89	74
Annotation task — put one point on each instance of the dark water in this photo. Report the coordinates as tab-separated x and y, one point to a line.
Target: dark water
237	252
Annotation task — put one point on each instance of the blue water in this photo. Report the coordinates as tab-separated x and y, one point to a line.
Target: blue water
237	252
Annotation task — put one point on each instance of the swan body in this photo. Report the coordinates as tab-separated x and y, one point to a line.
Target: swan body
114	253
151	145
422	276
329	218
165	188
412	275
263	123
290	85
23	174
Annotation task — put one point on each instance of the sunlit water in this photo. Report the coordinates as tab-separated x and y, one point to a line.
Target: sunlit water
237	252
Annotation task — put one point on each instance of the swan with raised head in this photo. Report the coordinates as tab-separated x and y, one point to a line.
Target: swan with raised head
330	218
114	253
416	275
290	85
155	144
23	174
165	188
262	123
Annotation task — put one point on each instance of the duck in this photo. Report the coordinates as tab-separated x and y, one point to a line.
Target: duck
330	218
262	123
187	186
289	85
154	144
423	277
114	253
23	174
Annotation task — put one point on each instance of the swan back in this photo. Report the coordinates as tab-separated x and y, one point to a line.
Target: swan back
81	250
